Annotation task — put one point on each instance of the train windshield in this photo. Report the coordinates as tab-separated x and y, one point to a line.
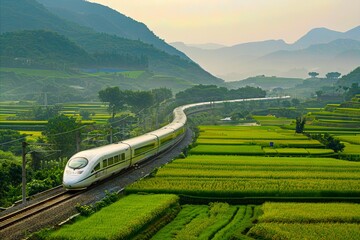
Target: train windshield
77	163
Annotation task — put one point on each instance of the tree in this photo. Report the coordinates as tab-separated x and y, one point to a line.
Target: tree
140	99
329	142
9	137
286	103
300	124
352	91
333	143
333	75
61	131
319	93
113	96
161	94
313	74
295	102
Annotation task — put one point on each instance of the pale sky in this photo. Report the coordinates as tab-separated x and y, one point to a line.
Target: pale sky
230	22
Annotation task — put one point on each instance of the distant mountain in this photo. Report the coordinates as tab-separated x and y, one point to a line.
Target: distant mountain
31	15
353	33
229	62
104	19
318	50
317	36
321	57
207	46
324	35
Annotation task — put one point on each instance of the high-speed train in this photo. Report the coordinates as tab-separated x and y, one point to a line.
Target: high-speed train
93	165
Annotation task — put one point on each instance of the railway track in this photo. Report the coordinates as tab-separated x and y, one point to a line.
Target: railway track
34	209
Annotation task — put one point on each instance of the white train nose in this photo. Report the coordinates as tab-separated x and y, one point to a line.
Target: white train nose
69	183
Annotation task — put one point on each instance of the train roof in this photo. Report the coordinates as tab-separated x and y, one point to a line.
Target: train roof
108	149
143	138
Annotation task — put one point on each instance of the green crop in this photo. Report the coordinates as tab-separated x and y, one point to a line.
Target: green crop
246	176
120	220
343	231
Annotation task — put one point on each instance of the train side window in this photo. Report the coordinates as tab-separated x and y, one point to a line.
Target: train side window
116	158
123	156
111	161
105	163
96	168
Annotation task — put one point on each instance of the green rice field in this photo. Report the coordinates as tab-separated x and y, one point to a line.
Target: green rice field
250	176
272	120
255	140
308	221
121	220
214	221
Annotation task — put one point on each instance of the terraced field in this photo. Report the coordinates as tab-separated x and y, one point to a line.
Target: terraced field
9	110
256	140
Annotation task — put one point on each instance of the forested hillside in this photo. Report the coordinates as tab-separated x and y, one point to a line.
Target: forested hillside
106	20
44	49
31	15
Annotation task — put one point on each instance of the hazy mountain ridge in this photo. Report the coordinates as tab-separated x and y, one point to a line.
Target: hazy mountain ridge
106	20
324	35
321	50
30	15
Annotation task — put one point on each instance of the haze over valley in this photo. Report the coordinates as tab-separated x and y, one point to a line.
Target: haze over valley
321	49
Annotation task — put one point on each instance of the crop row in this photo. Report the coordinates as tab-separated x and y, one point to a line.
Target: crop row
251	161
215	221
249	187
306	143
257	150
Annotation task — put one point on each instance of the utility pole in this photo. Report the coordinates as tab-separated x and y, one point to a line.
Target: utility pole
23	173
45	99
111	135
78	141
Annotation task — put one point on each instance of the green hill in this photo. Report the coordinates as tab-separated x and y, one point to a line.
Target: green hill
40	49
30	15
349	79
104	19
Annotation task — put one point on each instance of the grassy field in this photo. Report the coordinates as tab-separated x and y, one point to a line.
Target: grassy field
121	220
272	120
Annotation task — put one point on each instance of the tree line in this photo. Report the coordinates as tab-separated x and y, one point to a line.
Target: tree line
204	93
45	49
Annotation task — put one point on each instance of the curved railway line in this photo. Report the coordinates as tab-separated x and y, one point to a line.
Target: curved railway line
19	223
23	214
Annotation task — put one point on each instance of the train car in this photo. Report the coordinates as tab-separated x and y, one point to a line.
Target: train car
90	166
